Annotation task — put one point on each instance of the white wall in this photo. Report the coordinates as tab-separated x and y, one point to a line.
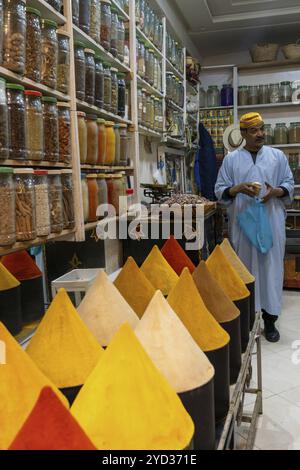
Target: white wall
148	164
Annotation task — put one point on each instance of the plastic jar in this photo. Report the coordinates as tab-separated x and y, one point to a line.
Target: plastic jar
4	130
286	92
93	196
17	120
51	133
118	144
213	97
14	38
64	129
263	94
114	91
99	82
33	67
281	134
79	58
55	201
85	197
121	95
140	105
95	20
42	208
107	87
68	200
63	62
269	134
56	4
34	125
102	189
105	35
114	32
253	95
75	12
121	40
243	95
274	93
101	142
123	145
227	95
8	207
89	76
110	143
25	204
294	133
92	139
49	53
82	136
84	15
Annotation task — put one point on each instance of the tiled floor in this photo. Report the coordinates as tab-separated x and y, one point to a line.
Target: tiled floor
279	427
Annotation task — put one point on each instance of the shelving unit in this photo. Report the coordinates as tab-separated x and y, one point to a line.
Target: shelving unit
34	164
270	105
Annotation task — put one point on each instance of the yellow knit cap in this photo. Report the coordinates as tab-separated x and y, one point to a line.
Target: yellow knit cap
251	120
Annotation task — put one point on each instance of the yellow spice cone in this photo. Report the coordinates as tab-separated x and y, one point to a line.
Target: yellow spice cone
172	348
104	310
135	287
186	301
215	299
236	262
226	275
158	271
7	280
63	347
126	404
21	383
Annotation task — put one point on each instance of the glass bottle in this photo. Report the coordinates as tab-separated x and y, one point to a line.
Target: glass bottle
114	91
92	139
105	36
121	94
63	62
121	40
95	20
55	201
89	76
33	67
14	35
64	129
68	200
7	215
80	73
51	132
25	205
84	15
99	82
49	53
42	208
17	121
34	125
107	87
4	128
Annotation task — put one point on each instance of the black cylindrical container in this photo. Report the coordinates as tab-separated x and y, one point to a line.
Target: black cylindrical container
200	405
32	299
71	393
251	288
220	360
233	328
10	309
244	307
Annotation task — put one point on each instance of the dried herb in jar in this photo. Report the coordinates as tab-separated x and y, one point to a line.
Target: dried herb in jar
25	205
51	134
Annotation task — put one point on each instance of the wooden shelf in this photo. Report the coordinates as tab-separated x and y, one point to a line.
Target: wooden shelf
30	84
171	68
289	146
34	163
121	12
175	106
143	130
149	87
106	168
91	225
47	11
216	108
90	109
266	65
270	105
148	42
80	35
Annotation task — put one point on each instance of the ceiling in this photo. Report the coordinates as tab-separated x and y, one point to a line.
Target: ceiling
226	26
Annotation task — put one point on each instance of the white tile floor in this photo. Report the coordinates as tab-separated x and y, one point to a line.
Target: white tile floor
279	427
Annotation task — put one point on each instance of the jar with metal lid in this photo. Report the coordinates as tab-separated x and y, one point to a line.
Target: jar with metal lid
114	91
92	139
123	145
274	93
68	199
49	53
253	95
99	82
294	133
4	128
114	31
286	92
25	204
118	142
141	64
281	136
213	97
144	111
55	201
34	125
33	66
85	197
105	36
121	40
63	62
110	143
42	208
93	196
101	142
84	15
14	35
243	95
82	136
140	105
107	87
75	12
89	76
263	94
64	129
8	207
79	58
56	4
102	189
17	121
95	20
121	94
269	134
51	133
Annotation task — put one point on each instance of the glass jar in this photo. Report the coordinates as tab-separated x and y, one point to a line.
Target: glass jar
115	190
17	121
56	4
227	95
84	15
123	145
33	67
14	36
93	196
89	76
114	32
263	94
286	92
141	65
68	200
64	129
202	98
92	139
140	105
269	134
121	40
156	38
25	205
95	20
49	53
144	113
75	12
146	18
137	12
110	143
152	18
99	82
101	142
34	125
42	208
105	36
243	95
8	207
160	116
141	22
55	201
253	95
85	197
121	94
281	134
4	130
107	87
274	93
63	62
151	67
127	46
102	189
213	97
294	133
82	135
147	64
51	133
79	58
114	91
118	142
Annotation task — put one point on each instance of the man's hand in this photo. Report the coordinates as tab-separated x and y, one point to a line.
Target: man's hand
244	188
272	192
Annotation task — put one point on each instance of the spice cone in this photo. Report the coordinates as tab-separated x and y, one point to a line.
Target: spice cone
236	262
159	272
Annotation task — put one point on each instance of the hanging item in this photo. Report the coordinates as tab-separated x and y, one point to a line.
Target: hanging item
159	272
10	301
127	404
176	256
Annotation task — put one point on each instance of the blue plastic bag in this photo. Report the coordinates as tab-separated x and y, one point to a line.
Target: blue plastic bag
255	224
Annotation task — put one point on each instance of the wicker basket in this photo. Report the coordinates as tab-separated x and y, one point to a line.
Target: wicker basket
264	52
292	51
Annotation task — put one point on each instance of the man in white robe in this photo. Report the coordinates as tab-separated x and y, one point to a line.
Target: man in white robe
257	163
